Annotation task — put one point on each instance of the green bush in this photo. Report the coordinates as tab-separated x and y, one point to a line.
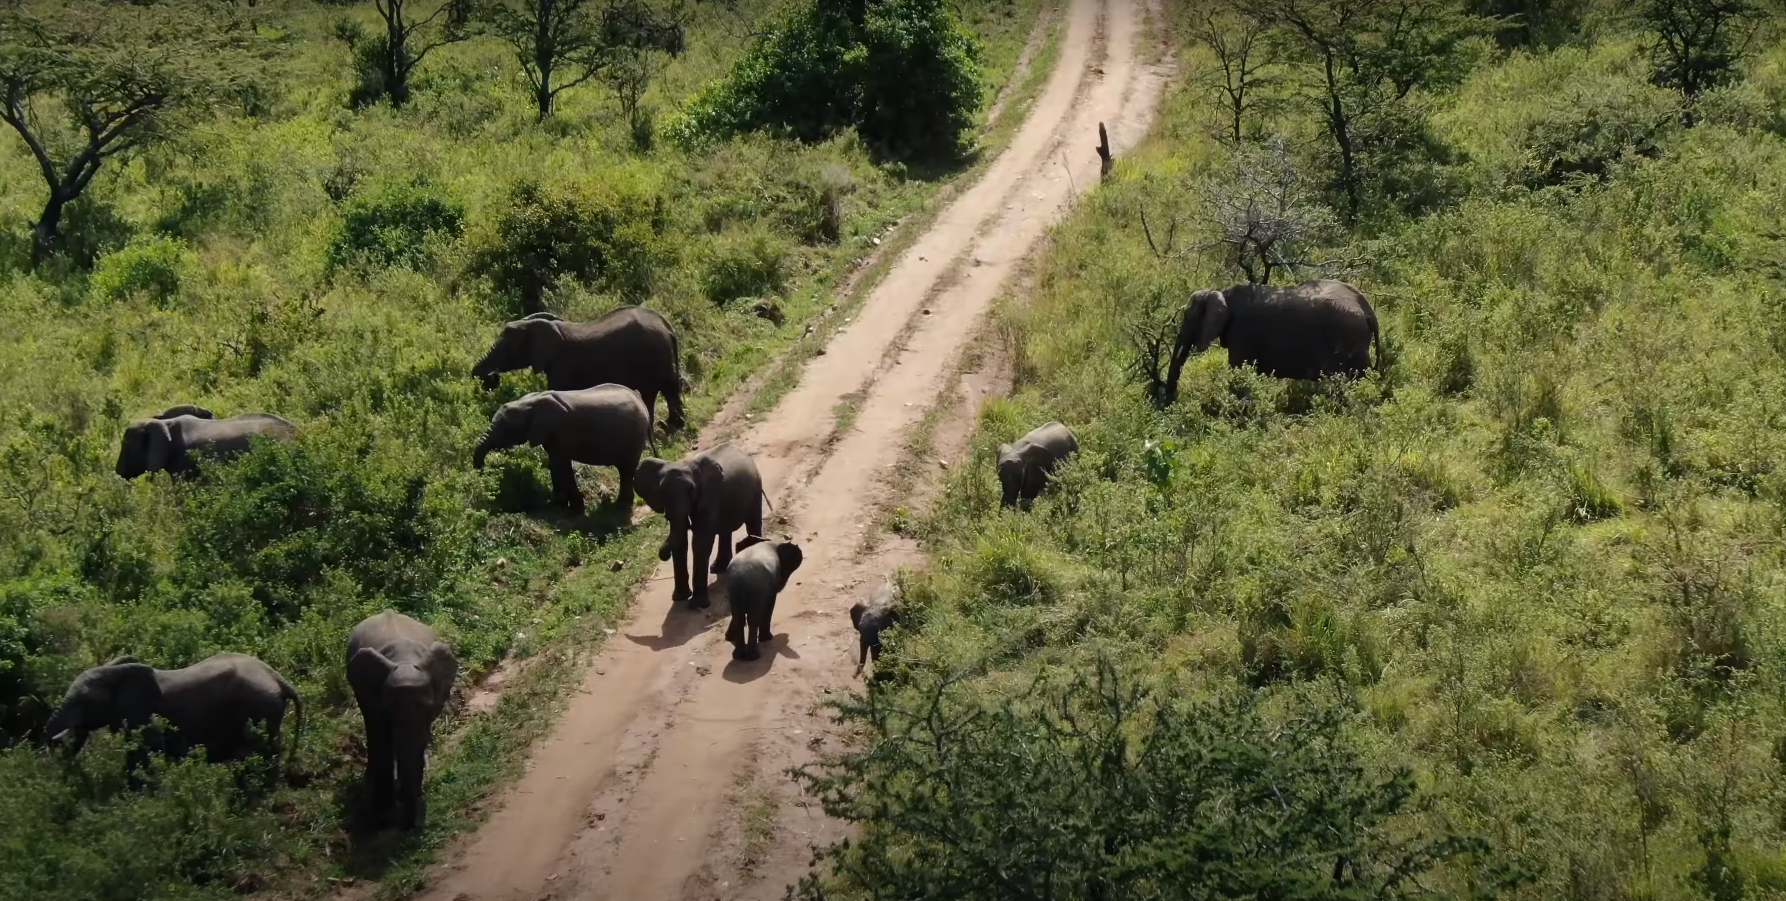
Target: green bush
149	267
905	76
394	225
604	234
1094	785
751	264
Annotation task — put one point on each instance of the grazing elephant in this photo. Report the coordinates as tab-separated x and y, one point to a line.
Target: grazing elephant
209	703
1309	331
631	346
607	425
714	493
169	440
1024	465
754	577
402	675
873	616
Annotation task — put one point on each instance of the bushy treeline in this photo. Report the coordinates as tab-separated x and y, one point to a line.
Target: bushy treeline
1535	559
281	247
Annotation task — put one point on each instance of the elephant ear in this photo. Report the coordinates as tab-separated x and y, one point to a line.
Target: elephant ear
544	342
1214	320
158	448
367	670
791	558
648	482
442	668
710	478
135	693
545	417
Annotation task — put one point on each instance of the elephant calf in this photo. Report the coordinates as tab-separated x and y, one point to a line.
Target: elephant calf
402	675
871	617
607	425
169	440
209	703
754	577
1025	465
713	493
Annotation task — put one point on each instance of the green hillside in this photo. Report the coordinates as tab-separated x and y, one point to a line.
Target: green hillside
291	242
1506	617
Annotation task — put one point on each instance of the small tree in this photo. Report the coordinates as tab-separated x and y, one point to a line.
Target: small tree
408	38
1696	45
1265	212
86	82
1235	37
628	74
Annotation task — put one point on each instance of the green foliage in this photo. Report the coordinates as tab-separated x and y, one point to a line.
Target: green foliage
149	267
1125	792
395	224
605	234
750	264
904	73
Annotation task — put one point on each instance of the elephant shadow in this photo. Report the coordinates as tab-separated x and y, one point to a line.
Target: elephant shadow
743	671
681	624
372	847
597	521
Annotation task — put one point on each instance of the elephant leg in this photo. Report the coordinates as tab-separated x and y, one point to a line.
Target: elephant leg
564	483
623	495
765	629
753	523
678	548
722	551
673	400
703	553
737	630
380	765
650	399
411	757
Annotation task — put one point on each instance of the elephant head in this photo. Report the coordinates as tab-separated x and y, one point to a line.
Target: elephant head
531	342
1205	319
787	552
149	445
410	690
1021	470
676	490
531	420
122	694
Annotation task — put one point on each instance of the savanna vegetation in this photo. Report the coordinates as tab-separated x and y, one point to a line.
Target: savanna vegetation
325	210
1503	617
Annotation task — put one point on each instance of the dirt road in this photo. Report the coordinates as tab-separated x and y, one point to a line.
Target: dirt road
662	780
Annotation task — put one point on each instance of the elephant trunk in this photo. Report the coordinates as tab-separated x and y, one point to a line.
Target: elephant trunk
489	443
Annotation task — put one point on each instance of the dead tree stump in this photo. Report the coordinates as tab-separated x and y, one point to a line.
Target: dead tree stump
1106	161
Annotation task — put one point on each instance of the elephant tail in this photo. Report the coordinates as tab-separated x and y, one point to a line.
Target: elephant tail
286	690
766	500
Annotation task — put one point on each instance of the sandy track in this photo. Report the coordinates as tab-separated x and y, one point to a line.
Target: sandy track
661	780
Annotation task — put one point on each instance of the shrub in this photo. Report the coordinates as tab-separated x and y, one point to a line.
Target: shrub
148	267
394	225
752	264
1125	792
1597	122
905	75
603	234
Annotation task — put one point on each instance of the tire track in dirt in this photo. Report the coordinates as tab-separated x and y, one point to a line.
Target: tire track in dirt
652	783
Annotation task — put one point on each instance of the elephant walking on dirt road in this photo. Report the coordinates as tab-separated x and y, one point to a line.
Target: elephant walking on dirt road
754	578
402	676
631	346
713	494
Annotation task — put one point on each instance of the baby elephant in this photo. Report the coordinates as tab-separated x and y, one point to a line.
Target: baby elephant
169	440
209	703
1024	465
871	617
607	425
758	573
402	676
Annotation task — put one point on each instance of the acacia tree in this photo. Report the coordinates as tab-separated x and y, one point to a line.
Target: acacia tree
86	82
409	36
564	43
1359	61
1235	38
1695	45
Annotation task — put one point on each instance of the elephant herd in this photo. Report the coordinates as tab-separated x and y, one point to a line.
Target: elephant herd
599	409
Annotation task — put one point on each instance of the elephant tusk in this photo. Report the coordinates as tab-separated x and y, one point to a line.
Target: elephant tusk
61	735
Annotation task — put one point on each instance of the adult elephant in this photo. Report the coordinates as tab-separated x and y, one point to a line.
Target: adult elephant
632	346
1025	465
754	578
173	439
402	675
713	493
1312	330
607	425
210	703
